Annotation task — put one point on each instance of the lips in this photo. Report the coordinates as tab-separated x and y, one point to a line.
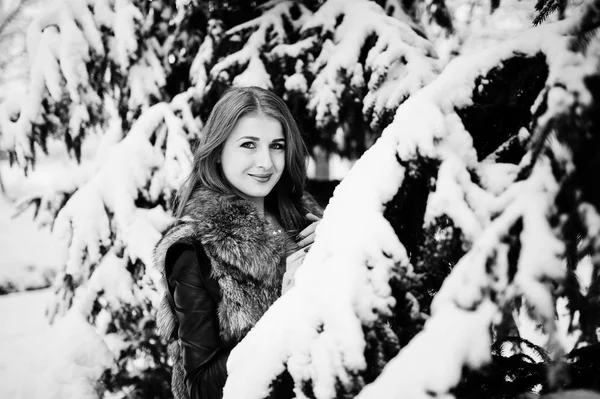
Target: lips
261	178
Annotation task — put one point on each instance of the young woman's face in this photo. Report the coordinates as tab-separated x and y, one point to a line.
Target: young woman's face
253	156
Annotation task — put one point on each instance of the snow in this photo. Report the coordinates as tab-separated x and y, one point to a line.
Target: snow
109	196
344	284
347	270
127	15
145	78
267	32
255	74
20	266
45	362
334	289
539	262
496	177
60	41
24	327
296	83
63	367
200	64
414	375
477	29
47	60
73	54
397	48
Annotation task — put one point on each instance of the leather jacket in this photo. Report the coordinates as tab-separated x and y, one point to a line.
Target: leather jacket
196	296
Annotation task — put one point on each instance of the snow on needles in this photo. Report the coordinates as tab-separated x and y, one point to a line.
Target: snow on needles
267	31
399	57
463	306
133	167
103	214
60	42
315	330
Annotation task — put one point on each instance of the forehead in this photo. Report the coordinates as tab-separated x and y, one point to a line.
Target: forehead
261	126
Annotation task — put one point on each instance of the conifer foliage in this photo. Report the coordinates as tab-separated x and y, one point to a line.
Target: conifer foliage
472	195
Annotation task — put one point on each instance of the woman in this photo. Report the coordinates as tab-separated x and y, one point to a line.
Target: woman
240	213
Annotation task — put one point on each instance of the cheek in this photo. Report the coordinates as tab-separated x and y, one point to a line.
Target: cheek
228	167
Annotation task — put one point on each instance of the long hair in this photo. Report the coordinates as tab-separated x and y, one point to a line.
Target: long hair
285	198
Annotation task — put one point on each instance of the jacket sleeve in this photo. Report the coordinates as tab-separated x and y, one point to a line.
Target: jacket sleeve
204	357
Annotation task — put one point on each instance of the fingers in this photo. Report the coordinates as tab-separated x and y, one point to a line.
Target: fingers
312	217
311	227
307	240
292	263
307	248
295	256
288	281
290	270
307	236
295	259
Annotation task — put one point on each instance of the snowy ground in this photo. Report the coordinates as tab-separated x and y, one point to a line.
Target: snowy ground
28	260
24	328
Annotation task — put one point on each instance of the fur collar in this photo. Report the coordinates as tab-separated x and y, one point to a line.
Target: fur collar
246	259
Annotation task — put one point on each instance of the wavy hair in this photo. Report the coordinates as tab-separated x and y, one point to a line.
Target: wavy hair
286	197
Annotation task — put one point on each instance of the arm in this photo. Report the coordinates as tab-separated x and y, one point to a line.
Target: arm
194	295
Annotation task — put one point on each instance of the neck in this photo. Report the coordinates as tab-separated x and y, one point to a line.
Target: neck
259	203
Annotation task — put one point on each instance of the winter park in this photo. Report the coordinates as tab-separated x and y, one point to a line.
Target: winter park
426	223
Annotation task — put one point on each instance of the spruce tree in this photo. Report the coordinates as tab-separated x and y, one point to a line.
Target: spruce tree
472	184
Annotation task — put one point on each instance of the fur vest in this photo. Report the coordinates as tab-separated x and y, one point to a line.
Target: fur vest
247	258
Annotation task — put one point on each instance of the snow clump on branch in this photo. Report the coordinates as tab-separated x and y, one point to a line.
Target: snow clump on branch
343	285
61	43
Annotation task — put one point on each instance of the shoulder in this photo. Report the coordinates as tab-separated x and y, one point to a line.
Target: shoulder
178	254
177	237
189	264
185	262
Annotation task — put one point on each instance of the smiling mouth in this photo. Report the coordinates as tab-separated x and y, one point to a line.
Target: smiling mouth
261	178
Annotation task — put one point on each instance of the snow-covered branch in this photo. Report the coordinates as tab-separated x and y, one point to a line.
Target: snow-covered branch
396	64
246	67
104	211
71	65
350	271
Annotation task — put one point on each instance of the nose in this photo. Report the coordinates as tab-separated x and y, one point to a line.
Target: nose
263	159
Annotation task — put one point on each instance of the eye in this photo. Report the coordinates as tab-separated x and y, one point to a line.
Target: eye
278	146
249	144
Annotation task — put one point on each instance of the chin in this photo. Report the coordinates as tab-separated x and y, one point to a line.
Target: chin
259	193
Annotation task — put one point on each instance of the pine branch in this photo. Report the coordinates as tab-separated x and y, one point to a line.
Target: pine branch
581	42
586	28
546	8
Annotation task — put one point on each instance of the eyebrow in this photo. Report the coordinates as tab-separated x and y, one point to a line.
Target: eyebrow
256	138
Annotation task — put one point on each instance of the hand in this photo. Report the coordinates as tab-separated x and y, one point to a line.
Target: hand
306	237
291	264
